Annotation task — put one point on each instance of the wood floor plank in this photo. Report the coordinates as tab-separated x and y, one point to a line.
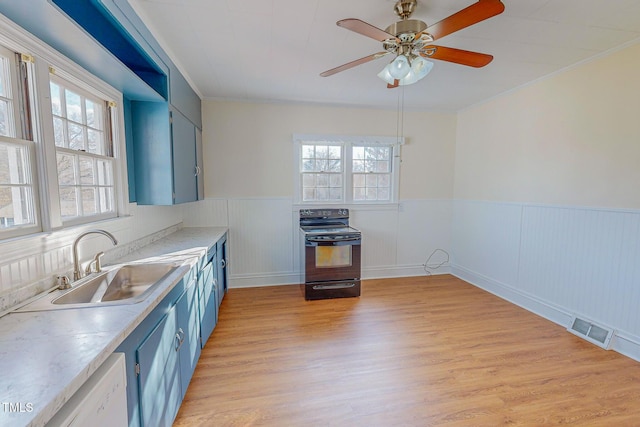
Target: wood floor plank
419	351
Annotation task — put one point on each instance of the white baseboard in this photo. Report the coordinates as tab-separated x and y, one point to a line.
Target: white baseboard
388	271
623	343
263	279
290	278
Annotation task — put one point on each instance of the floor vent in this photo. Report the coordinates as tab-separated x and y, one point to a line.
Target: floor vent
596	334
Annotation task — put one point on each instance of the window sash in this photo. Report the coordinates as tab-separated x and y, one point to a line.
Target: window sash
85	163
18	208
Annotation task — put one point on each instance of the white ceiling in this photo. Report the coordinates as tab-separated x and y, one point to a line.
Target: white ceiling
274	50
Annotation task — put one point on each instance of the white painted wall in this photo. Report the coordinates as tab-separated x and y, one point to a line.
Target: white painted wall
248	146
248	151
546	211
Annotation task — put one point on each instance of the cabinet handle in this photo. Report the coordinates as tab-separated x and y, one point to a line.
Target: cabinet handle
197	170
223	263
179	338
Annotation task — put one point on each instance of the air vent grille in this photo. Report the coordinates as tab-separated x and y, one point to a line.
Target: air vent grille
598	335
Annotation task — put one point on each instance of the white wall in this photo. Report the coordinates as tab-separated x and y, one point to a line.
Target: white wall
546	211
248	151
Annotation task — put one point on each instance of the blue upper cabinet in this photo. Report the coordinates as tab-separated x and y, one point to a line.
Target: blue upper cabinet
184	98
165	150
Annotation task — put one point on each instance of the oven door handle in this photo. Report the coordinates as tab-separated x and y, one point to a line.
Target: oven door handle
311	241
334	286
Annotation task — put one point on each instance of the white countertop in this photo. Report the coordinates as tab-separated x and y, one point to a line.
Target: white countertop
45	356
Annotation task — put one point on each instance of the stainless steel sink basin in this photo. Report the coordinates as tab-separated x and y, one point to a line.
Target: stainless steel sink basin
125	284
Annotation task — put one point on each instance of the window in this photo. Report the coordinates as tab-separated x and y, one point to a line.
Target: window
83	151
60	163
333	169
17	201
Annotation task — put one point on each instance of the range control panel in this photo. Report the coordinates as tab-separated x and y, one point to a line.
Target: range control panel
324	213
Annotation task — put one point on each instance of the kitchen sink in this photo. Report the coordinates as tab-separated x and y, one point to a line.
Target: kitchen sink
124	284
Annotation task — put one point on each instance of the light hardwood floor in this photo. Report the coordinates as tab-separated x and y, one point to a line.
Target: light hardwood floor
419	351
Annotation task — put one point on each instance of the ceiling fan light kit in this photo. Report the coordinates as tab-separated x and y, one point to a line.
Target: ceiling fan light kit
420	67
410	40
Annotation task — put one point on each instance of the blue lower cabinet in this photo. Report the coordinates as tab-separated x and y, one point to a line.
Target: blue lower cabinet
162	352
221	271
159	377
188	334
208	301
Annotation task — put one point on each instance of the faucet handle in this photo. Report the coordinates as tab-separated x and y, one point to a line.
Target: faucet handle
96	263
63	282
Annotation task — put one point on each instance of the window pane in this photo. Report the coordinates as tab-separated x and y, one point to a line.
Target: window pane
66	169
358	166
382	166
308	180
58	132
76	136
89	201
334	152
14	164
94	114
86	171
106	199
322	180
322	152
56	101
94	142
68	202
16	206
334	165
335	180
308	194
6	125
104	172
358	193
74	106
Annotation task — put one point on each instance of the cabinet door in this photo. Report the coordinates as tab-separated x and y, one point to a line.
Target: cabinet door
221	271
159	378
199	164
208	302
185	185
188	334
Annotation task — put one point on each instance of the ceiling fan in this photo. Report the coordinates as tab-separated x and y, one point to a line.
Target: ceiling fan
410	40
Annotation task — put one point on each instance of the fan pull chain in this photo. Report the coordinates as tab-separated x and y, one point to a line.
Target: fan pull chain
400	115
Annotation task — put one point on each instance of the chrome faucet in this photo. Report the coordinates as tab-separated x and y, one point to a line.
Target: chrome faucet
77	273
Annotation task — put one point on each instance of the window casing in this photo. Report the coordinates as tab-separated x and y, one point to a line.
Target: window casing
61	141
340	169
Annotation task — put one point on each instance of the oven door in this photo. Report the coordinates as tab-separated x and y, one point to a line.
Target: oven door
332	258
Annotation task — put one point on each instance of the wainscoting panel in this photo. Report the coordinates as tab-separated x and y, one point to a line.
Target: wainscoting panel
486	239
206	213
584	260
556	261
260	239
424	230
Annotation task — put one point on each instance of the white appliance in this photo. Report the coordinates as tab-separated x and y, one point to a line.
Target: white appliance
101	401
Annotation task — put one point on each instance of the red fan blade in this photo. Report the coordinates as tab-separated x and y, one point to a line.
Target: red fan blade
483	9
353	64
458	56
365	29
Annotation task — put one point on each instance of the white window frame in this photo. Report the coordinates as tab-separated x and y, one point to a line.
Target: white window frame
347	142
41	61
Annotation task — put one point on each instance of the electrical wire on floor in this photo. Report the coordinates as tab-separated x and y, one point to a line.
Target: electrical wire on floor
429	267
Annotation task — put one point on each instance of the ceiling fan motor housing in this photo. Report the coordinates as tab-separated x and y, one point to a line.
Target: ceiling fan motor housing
404	8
